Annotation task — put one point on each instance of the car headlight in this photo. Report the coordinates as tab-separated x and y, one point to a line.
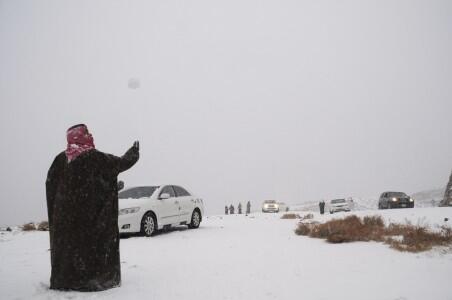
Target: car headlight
394	199
129	210
411	200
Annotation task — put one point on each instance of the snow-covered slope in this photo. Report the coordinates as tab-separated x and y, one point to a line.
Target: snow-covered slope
422	199
429	198
244	257
358	204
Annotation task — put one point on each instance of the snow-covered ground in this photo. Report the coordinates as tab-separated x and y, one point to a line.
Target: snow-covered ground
245	257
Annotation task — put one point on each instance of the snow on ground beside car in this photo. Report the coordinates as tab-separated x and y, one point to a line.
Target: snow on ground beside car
244	257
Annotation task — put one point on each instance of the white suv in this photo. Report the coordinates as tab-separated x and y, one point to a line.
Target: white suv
270	206
146	209
339	205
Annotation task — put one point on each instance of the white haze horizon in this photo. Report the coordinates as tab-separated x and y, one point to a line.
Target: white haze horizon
236	100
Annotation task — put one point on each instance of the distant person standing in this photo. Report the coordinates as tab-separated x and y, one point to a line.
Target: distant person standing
226	210
239	209
248	208
352	204
82	207
231	209
322	207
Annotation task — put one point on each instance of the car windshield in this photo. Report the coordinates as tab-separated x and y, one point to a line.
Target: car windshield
270	201
397	194
338	201
137	192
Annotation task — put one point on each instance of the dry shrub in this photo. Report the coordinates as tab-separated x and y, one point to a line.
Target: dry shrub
403	237
307	217
375	227
320	230
348	229
397	229
303	229
446	232
373	221
43	226
28	227
419	238
290	216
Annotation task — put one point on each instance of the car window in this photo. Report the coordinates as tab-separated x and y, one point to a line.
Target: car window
180	191
169	190
338	201
397	194
137	192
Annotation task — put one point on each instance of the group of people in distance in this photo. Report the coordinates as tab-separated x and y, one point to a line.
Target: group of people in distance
231	210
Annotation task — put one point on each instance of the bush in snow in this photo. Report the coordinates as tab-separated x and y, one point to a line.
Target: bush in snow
307	217
402	237
416	238
28	227
43	226
290	216
303	229
373	221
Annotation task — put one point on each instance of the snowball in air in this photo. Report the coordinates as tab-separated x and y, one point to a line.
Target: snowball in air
134	83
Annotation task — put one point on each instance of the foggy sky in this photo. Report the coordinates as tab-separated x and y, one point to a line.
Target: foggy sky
238	100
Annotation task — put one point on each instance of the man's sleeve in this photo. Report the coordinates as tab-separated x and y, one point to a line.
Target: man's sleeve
129	159
52	181
125	162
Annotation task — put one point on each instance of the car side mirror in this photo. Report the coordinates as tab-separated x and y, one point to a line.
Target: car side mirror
120	185
164	196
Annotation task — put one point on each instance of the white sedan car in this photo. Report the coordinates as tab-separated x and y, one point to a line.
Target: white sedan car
146	209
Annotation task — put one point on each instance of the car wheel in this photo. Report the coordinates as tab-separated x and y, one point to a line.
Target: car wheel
379	205
148	224
195	219
331	212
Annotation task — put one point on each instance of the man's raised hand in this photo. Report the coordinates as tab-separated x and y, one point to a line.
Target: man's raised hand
136	145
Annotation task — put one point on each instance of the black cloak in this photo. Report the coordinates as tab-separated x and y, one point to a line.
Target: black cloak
82	205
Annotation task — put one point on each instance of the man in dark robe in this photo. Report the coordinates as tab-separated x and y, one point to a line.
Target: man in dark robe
231	209
82	205
322	207
248	208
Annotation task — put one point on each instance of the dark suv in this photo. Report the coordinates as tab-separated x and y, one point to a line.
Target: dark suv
395	200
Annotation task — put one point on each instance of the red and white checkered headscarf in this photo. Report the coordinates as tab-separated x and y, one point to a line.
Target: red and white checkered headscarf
79	140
